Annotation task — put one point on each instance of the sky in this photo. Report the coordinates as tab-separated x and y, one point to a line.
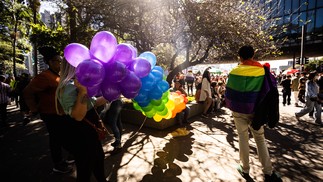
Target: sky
49	6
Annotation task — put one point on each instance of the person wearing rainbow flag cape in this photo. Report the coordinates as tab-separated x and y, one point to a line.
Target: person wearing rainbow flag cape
243	92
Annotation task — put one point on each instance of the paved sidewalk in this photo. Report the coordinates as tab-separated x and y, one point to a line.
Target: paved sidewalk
208	154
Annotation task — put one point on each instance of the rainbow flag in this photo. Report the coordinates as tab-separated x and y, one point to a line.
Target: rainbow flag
243	87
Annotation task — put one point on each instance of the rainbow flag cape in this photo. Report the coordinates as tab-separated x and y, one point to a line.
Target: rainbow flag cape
243	87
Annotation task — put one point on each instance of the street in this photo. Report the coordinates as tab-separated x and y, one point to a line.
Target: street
208	154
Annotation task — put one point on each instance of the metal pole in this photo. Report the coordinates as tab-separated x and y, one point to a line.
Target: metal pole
302	48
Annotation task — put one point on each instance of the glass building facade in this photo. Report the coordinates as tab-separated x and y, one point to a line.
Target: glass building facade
290	16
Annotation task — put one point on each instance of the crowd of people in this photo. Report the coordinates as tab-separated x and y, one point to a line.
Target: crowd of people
63	104
307	90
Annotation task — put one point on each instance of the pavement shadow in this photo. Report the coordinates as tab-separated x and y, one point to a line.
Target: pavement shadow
297	148
164	168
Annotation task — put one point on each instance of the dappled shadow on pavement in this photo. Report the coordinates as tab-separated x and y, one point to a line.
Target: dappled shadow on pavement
208	153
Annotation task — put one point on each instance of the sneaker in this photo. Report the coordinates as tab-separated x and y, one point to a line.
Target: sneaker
70	160
297	117
26	121
274	177
204	116
62	168
246	176
116	150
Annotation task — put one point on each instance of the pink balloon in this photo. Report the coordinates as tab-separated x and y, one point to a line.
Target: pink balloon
75	53
123	54
140	66
103	46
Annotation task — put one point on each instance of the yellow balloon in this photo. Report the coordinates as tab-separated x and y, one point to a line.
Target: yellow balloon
168	115
170	105
157	118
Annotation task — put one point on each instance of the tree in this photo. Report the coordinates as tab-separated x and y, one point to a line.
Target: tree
14	31
182	33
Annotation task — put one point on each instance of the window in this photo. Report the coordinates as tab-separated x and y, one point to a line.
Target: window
295	5
319	20
302	18
294	24
304	5
311	3
280	8
310	21
288	6
319	3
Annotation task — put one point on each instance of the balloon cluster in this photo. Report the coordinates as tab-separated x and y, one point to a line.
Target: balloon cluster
167	107
109	68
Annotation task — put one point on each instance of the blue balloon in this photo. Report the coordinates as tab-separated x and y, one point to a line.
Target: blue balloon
159	68
148	82
156	93
150	57
158	75
142	96
144	103
163	85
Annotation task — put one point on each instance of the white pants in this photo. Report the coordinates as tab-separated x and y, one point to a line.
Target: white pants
296	96
242	122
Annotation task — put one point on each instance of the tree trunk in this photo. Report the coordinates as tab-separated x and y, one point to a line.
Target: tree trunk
14	49
72	18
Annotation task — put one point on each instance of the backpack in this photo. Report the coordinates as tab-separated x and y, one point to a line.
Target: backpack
267	108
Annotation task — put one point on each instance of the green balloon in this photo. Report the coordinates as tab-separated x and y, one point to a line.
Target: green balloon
156	102
161	107
147	108
150	113
164	112
136	106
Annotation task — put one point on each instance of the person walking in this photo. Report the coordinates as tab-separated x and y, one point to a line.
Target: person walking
311	99
301	88
39	96
241	99
81	138
287	92
5	91
294	87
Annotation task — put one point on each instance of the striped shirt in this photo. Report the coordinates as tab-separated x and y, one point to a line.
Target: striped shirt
244	86
4	92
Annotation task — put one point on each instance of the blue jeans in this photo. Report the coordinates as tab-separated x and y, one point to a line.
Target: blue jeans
113	119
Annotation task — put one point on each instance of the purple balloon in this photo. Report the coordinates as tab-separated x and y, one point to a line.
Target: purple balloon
110	91
150	57
90	72
115	71
130	85
134	51
140	66
93	91
103	46
76	53
123	54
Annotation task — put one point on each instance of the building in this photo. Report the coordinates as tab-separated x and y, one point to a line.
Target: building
290	17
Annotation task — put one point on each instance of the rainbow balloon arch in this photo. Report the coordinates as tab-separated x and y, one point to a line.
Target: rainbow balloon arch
111	70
